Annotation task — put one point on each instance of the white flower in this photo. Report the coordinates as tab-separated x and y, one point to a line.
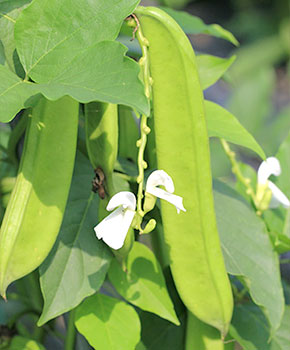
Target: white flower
268	167
161	178
113	229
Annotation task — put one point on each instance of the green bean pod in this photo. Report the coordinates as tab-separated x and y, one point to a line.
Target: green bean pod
36	207
128	134
101	124
200	336
183	152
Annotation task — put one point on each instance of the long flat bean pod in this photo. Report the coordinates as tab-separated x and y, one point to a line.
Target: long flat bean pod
101	124
35	211
182	151
200	336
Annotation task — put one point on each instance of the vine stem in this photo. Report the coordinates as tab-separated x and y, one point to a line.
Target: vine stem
144	129
237	171
70	338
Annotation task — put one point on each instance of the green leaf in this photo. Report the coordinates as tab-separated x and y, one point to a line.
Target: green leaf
100	72
194	25
211	68
248	251
73	57
9	11
22	343
221	123
49	34
143	282
77	265
108	323
112	78
251	101
15	94
249	327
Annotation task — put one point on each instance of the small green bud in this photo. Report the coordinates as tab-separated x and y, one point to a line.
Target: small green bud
149	227
149	202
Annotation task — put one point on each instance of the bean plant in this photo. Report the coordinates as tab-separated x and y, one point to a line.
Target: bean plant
114	235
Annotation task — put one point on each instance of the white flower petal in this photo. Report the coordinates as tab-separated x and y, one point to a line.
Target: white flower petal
169	197
278	197
114	228
124	198
159	178
268	167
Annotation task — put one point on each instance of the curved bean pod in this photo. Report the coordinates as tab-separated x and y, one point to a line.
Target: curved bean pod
182	151
36	207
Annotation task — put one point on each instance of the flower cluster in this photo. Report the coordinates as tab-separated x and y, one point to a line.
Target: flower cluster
113	229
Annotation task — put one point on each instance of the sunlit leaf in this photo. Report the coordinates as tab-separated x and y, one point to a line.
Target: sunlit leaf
212	68
221	123
108	323
194	25
143	283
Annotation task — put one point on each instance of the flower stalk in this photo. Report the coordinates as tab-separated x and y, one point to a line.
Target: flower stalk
237	171
267	194
144	129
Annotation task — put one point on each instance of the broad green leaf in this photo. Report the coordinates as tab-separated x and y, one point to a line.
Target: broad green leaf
21	343
143	284
211	68
9	11
49	34
194	25
100	72
112	78
251	101
159	334
249	327
15	94
248	251
73	57
221	123
108	323
77	265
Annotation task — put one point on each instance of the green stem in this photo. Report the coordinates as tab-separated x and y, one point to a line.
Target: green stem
237	171
70	338
144	129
